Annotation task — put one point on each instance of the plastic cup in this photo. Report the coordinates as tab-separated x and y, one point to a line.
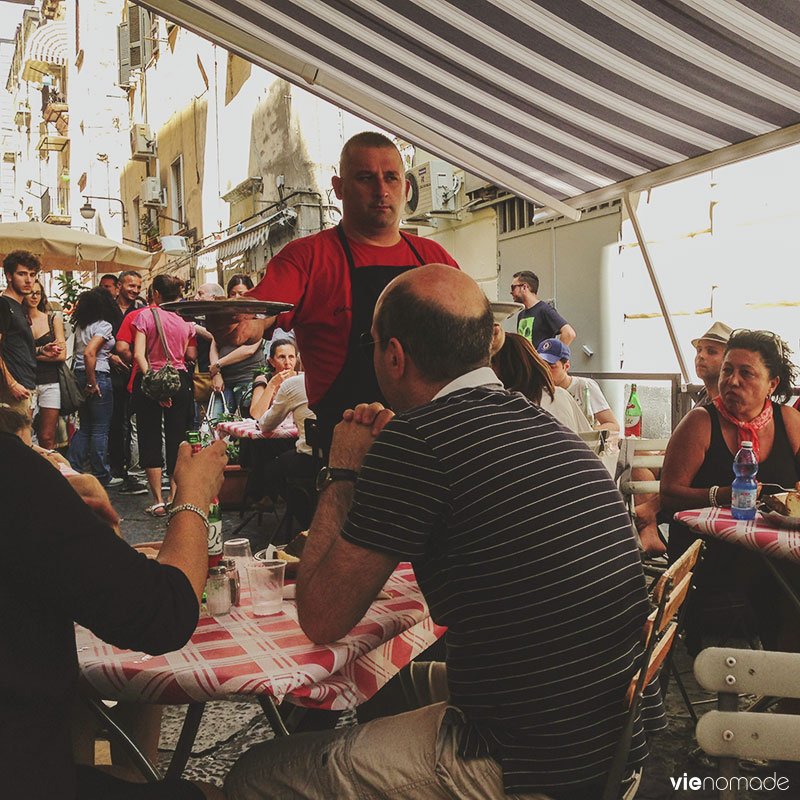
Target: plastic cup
266	587
239	551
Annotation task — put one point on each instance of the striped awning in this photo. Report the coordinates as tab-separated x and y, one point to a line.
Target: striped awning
563	102
47	48
239	242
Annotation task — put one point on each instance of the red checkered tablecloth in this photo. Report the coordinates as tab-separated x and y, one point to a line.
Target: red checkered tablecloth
243	654
757	534
248	429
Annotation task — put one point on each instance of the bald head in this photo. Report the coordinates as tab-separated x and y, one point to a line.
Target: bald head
440	316
369	140
209	291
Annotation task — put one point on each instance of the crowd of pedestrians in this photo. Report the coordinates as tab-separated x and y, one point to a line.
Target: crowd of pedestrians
110	341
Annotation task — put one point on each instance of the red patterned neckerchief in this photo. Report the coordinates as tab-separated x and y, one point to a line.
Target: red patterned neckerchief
748	431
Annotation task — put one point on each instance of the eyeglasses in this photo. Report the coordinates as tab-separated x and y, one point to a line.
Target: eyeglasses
367	342
773	337
35	294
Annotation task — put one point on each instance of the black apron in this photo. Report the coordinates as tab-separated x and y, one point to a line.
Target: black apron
356	382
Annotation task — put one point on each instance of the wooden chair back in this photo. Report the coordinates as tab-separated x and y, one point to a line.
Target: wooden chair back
658	634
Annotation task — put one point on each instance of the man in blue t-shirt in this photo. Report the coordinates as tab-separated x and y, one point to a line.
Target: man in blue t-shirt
538	320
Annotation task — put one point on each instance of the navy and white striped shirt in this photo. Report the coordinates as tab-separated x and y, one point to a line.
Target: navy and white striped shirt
524	550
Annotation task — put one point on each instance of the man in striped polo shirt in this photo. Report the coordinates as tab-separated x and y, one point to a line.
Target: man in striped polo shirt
522	547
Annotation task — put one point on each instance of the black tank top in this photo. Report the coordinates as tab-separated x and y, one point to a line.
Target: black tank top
46	371
717	468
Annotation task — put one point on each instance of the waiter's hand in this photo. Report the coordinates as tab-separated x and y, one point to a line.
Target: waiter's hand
236	329
354	435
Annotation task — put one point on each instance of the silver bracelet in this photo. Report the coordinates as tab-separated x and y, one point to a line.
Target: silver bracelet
189	507
712	496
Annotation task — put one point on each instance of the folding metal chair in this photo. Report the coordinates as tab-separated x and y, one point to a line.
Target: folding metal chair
660	628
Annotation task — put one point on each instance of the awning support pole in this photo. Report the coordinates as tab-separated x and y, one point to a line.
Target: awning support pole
656	285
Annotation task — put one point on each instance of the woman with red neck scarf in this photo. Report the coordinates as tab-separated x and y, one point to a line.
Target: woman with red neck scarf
756	379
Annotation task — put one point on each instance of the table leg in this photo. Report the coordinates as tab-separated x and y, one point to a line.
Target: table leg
275	720
194	713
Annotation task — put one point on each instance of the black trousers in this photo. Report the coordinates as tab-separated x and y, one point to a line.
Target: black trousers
150	417
119	433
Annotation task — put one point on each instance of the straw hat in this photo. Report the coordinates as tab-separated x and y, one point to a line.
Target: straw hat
718	332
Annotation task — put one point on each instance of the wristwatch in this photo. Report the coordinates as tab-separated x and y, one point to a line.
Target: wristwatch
327	475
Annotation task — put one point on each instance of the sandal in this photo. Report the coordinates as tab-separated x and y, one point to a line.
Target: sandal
153	510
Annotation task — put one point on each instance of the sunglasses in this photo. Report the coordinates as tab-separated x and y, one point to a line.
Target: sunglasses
517	286
773	337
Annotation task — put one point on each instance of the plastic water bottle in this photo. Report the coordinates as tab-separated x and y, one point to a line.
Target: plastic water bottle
745	488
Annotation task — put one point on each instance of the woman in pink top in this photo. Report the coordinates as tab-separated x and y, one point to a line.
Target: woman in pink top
175	413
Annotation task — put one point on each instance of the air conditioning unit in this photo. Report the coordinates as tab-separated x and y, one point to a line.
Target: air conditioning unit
143	143
431	189
152	195
174	245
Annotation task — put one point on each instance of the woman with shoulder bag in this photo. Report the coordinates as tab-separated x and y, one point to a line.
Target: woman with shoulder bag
94	341
156	328
47	328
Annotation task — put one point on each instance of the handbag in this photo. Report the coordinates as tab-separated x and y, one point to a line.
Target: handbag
201	386
72	395
165	383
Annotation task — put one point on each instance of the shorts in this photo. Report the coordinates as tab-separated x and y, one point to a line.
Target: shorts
48	395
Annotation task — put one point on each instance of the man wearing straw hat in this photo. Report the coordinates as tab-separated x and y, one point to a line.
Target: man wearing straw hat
710	349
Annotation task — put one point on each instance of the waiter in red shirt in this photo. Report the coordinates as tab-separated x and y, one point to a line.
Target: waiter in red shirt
334	277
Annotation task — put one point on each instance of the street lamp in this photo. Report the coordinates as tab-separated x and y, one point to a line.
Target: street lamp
88	210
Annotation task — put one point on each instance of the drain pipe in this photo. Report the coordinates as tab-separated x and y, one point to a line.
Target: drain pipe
656	285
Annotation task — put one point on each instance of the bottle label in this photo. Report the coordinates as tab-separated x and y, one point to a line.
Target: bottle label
633	425
744	499
214	537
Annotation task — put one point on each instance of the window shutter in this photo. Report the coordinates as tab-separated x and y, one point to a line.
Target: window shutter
137	34
123	47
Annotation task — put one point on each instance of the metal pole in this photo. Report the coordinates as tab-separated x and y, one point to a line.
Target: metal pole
656	285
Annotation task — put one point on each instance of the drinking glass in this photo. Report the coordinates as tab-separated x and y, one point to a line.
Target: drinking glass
239	551
266	586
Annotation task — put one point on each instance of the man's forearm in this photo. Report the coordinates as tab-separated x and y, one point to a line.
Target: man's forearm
7	376
334	503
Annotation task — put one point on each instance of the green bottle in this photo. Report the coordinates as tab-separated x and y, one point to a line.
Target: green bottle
214	512
633	415
214	533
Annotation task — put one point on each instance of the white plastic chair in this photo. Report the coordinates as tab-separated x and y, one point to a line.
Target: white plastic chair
730	734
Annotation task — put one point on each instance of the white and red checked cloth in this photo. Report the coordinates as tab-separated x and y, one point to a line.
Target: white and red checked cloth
242	654
757	534
248	429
